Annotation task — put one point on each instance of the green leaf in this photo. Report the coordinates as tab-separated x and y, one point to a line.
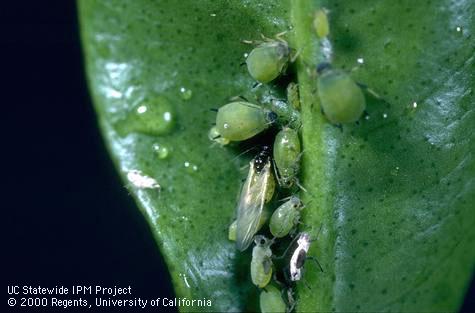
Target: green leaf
394	194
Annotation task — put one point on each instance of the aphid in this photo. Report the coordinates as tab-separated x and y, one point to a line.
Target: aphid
320	23
256	191
241	120
261	263
285	217
215	136
341	98
299	256
293	97
270	300
269	59
287	153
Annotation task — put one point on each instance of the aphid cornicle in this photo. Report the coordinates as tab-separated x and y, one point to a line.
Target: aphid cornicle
287	153
241	120
271	301
285	217
268	60
256	191
261	263
342	100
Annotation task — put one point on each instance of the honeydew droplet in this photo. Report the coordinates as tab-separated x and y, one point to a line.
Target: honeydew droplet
161	151
186	94
360	60
190	167
385	115
414	105
154	117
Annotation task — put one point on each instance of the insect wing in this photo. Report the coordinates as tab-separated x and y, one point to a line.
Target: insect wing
251	204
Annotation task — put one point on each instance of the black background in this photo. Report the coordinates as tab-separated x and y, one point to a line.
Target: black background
69	220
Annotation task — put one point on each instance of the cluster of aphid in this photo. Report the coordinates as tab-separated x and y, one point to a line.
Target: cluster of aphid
342	101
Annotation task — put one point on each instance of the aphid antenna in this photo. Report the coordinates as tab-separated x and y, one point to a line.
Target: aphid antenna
372	92
304	281
239	97
285	199
318	233
242	153
219	136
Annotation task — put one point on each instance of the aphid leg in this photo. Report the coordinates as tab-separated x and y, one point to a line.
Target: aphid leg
316	261
213	124
251	42
214	110
304	281
290	301
216	137
286	250
242	64
300	186
280	35
255	85
295	55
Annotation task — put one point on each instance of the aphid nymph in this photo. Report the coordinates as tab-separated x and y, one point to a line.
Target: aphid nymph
269	59
341	98
261	263
287	153
270	300
258	189
240	120
286	217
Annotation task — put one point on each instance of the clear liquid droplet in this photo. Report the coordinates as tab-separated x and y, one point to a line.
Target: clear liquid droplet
190	167
186	94
161	151
152	117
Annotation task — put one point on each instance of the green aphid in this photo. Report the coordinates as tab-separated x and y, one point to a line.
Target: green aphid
269	59
342	100
261	263
286	217
270	300
320	23
240	120
287	153
293	97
